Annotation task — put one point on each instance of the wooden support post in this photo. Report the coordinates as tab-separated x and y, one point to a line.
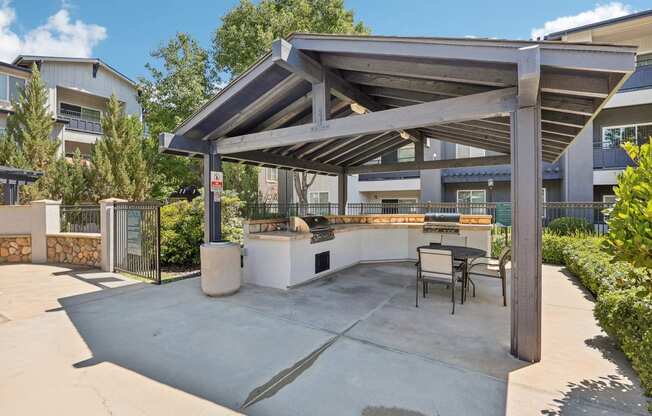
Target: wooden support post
342	193
212	208
526	234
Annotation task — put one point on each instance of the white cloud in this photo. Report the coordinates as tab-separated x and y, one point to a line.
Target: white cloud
599	13
59	36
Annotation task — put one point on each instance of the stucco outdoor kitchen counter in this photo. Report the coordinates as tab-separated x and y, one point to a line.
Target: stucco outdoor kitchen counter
283	259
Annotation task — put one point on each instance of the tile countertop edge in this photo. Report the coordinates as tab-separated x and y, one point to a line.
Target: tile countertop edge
339	228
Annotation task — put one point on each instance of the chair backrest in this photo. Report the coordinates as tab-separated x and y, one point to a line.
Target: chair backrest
454	240
435	262
504	257
435	239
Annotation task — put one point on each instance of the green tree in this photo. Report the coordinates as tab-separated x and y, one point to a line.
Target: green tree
179	83
28	143
248	30
630	220
119	167
67	180
242	179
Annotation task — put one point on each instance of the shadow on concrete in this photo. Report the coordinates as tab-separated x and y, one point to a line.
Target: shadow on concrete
223	349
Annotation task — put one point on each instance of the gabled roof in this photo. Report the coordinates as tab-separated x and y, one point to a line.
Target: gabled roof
26	59
629	17
15	67
264	116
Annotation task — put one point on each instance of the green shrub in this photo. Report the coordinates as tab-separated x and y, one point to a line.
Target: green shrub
552	247
182	232
623	306
182	228
627	317
569	226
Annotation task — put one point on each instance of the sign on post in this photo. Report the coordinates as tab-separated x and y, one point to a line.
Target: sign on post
134	237
217	185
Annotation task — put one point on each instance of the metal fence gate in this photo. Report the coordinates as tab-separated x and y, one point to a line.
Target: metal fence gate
137	241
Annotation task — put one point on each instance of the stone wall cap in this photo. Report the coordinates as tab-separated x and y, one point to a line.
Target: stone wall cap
113	200
47	202
76	235
15	236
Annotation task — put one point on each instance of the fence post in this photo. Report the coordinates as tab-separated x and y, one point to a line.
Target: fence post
106	231
45	220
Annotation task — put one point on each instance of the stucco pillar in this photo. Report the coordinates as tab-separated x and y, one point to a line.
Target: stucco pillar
106	230
578	168
342	193
45	220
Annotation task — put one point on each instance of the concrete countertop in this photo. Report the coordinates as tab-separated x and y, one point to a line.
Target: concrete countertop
340	228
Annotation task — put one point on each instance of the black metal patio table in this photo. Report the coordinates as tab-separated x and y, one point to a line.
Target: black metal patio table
460	253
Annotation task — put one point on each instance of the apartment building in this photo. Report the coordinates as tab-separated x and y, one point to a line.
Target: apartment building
78	92
596	155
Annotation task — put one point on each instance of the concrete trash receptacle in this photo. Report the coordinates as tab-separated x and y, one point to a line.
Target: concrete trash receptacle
220	268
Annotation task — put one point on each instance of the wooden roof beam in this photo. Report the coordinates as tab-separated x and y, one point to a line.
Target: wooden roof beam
429	165
470	107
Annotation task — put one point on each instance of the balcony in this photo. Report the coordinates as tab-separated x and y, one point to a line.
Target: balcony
388	176
640	79
79	123
610	158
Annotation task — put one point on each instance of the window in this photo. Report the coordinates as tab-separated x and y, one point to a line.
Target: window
3	130
10	87
462	151
644	60
321	198
318	197
613	137
271	174
609	199
16	85
472	196
406	154
83	113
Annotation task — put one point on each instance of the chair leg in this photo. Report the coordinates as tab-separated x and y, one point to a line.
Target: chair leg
472	284
416	289
453	294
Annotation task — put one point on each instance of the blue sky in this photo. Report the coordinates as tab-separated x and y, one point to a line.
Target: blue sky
123	32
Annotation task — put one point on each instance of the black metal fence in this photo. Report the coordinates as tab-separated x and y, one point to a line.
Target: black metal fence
263	210
371	208
501	212
137	241
79	218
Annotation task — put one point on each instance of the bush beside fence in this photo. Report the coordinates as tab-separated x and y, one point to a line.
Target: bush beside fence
623	304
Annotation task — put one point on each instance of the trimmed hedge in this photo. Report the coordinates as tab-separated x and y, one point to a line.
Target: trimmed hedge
623	305
569	226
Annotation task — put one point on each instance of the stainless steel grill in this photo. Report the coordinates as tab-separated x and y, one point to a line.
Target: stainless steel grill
438	222
318	225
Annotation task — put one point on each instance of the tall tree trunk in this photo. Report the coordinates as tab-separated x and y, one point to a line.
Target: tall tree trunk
301	184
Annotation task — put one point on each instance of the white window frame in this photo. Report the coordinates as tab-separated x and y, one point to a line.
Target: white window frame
622	127
604	199
82	106
458	147
8	77
471	210
311	193
269	177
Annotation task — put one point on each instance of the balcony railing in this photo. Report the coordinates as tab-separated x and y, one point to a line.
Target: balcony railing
76	122
610	158
388	176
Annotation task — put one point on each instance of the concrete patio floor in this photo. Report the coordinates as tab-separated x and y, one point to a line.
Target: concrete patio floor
85	342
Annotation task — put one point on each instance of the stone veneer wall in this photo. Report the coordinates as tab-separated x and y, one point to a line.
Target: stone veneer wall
75	248
15	249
